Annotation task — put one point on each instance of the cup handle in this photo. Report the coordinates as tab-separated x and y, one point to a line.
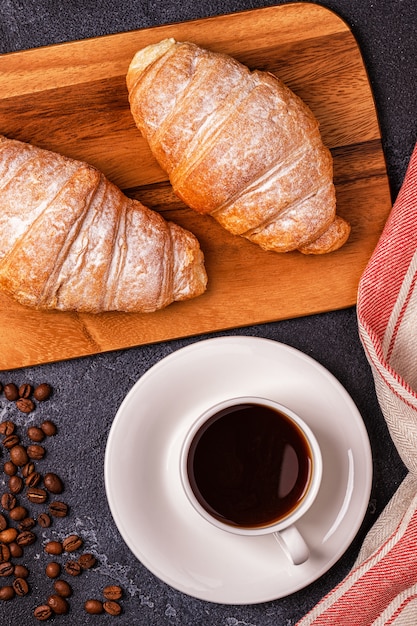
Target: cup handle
293	545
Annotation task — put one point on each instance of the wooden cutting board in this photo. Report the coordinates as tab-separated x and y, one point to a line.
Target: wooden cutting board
72	98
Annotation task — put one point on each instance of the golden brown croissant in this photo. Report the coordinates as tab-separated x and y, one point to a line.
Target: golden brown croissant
238	145
71	240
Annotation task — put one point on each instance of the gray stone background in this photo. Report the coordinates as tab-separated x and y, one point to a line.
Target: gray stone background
88	391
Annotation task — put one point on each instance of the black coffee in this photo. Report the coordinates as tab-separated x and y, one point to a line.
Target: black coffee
249	465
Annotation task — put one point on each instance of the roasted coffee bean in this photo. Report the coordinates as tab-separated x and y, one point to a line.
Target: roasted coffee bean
54	547
18	513
33	479
28	469
6	569
112	608
112	592
26	524
93	607
8	535
49	428
58	509
11	391
10	468
42	392
20	586
25	538
4	553
25	390
11	440
87	561
72	543
63	588
53	483
15	484
73	568
15	550
7	428
18	455
35	451
8	501
3	522
58	605
44	520
25	405
36	495
53	569
6	593
35	434
21	571
42	613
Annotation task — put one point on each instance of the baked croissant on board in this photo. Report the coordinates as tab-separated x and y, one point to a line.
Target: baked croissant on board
238	145
71	240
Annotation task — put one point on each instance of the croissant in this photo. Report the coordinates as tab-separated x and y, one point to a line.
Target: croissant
71	240
237	145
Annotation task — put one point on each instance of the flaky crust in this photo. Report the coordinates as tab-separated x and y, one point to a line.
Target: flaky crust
237	145
71	240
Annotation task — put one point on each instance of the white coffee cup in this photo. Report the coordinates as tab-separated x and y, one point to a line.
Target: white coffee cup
229	447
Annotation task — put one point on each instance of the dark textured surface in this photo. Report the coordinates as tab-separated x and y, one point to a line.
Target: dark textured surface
88	391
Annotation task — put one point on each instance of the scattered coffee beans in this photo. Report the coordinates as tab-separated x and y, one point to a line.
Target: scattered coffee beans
54	547
63	588
6	569
35	433
58	509
72	543
42	613
26	538
36	495
49	428
18	513
16	551
25	405
21	571
20	586
7	428
25	390
7	593
87	561
112	608
53	483
112	592
42	392
18	454
10	441
35	451
53	569
11	392
4	553
21	470
73	568
10	468
44	520
15	484
8	535
58	605
93	607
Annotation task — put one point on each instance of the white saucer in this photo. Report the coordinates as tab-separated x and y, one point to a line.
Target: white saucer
142	476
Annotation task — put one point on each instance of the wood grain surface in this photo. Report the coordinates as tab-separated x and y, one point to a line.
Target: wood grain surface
72	98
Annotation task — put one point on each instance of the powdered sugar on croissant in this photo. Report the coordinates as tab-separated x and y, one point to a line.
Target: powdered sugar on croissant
238	145
71	240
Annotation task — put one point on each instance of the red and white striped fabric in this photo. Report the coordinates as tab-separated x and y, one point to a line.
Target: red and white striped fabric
381	589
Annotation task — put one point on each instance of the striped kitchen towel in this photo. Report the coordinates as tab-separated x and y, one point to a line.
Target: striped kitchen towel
381	589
